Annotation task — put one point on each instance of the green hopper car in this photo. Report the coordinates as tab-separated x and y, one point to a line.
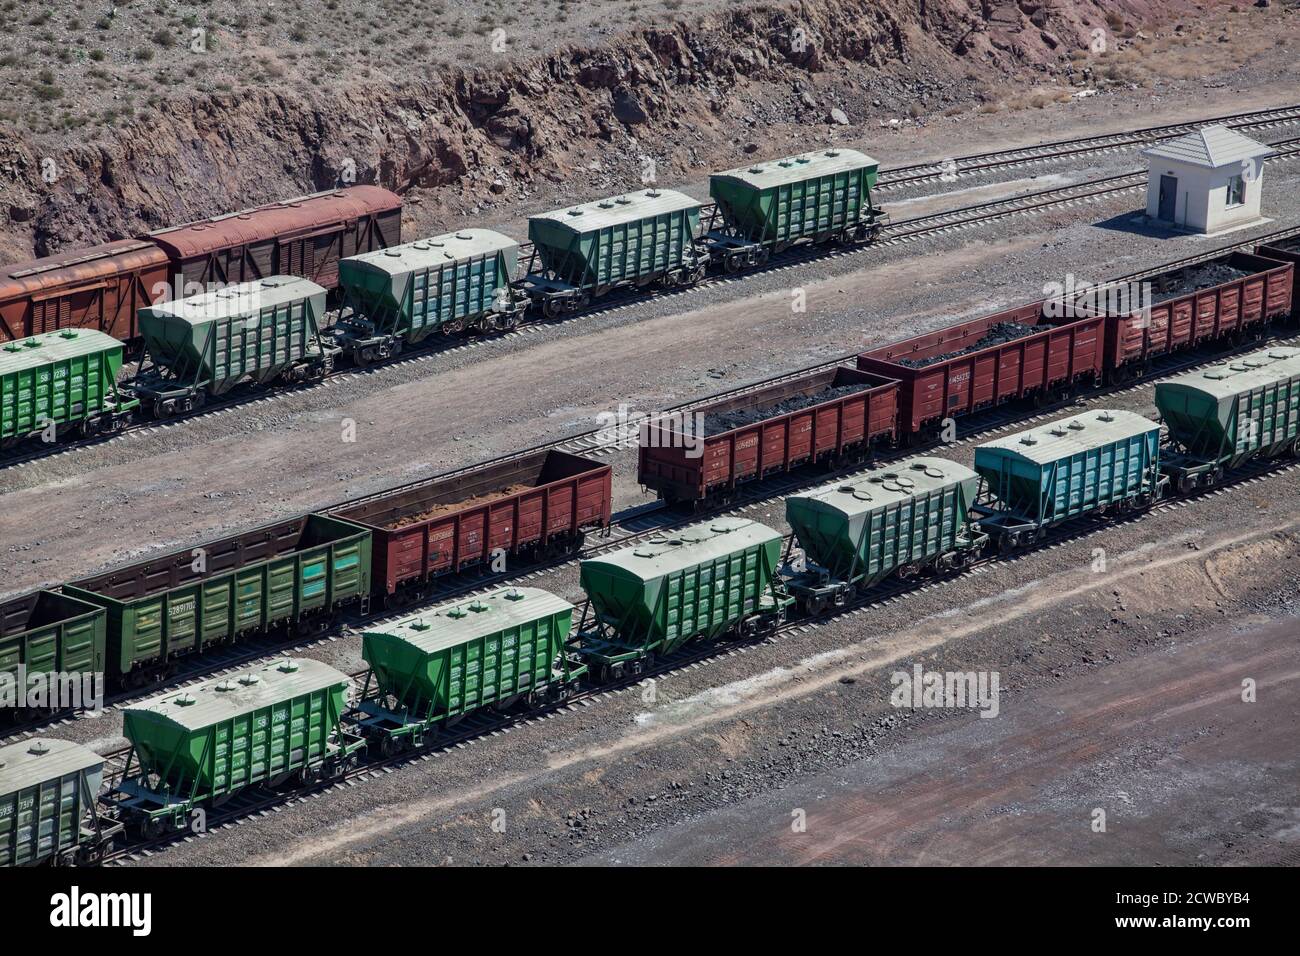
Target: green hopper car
586	251
401	295
48	811
708	580
62	382
1222	417
1099	462
56	635
292	574
823	196
431	669
888	522
202	745
260	332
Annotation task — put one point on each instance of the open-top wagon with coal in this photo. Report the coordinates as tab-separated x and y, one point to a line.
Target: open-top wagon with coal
1232	298
1221	417
834	417
817	197
586	251
1018	354
201	745
57	636
1287	250
427	671
403	294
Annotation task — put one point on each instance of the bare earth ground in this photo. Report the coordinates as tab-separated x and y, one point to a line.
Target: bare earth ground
1164	745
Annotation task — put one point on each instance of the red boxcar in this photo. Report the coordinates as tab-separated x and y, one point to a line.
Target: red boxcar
99	288
963	376
303	237
685	463
536	504
1287	250
1221	311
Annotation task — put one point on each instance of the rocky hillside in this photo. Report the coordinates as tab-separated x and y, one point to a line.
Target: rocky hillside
665	101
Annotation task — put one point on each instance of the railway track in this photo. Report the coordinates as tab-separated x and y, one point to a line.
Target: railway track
948	170
895	233
477	728
634	526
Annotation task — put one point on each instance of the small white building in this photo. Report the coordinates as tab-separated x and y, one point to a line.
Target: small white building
1208	181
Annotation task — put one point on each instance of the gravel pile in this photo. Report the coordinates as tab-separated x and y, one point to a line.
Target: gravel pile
998	334
716	423
1205	276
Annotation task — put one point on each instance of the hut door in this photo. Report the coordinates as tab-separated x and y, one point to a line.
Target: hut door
1168	197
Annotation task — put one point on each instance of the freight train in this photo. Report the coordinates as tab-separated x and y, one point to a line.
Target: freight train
243	318
392	548
727	577
274	330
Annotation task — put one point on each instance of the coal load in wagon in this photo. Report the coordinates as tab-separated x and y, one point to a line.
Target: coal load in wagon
999	334
1196	278
715	423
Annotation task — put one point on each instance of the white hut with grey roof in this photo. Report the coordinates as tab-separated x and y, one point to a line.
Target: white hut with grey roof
1208	181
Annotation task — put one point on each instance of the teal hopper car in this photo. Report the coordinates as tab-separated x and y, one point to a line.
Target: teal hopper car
201	745
888	522
431	669
462	281
1222	417
60	383
48	811
586	251
708	580
818	197
260	332
1097	463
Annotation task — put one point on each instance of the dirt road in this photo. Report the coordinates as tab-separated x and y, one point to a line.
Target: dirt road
1163	746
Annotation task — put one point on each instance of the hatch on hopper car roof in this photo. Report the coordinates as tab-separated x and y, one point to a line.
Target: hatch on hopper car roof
223	698
616	210
237	300
42	759
1048	443
453	624
910	479
793	169
433	252
51	347
1256	370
